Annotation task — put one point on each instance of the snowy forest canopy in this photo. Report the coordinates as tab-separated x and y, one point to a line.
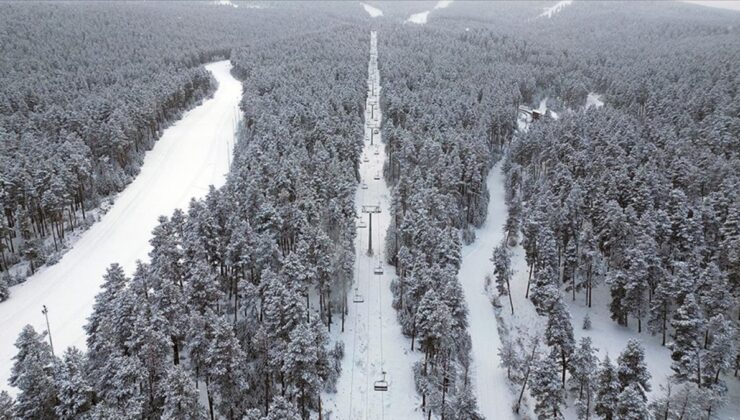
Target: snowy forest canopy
639	197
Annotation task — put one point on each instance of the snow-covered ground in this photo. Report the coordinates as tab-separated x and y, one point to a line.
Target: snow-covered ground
372	338
421	17
594	100
225	3
553	10
191	155
372	11
492	391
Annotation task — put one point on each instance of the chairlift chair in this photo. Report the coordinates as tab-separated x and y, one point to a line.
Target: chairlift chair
365	158
378	269
363	186
357	298
377	152
377	176
381	385
361	224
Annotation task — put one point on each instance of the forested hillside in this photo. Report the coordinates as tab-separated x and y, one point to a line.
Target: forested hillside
242	287
614	292
85	90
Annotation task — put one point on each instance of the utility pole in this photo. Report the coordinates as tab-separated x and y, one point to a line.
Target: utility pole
370	209
48	330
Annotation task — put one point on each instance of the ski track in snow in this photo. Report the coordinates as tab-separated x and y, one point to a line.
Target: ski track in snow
372	11
191	154
551	11
372	338
421	17
489	380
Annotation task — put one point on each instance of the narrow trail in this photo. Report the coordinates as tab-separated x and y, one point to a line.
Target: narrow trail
373	340
192	154
489	380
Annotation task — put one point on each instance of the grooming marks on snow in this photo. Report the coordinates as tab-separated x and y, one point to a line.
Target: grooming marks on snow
372	11
553	10
422	17
192	154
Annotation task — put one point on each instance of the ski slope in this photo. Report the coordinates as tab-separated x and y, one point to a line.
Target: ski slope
191	155
489	380
372	338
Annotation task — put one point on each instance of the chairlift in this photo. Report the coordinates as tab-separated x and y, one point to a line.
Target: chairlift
378	269
365	159
361	224
363	186
381	385
377	152
377	176
357	298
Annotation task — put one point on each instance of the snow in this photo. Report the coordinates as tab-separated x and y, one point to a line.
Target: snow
225	3
443	4
550	11
191	155
372	338
421	17
418	18
594	100
489	380
372	11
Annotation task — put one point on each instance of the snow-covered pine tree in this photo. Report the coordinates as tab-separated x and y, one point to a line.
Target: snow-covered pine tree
7	406
300	368
608	389
631	367
720	351
559	334
632	405
33	374
75	394
583	367
282	409
180	395
226	370
546	387
502	272
688	336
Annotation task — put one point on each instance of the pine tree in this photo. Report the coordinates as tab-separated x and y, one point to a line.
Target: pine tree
687	348
282	409
502	271
4	289
720	351
180	396
631	367
75	396
7	407
587	322
608	389
559	334
300	367
583	366
631	404
114	282
546	387
226	370
33	375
